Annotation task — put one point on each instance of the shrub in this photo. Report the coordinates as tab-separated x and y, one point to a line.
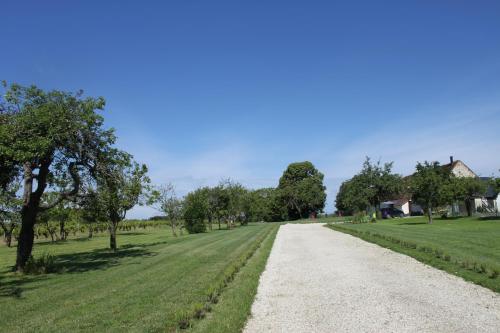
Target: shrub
43	265
360	217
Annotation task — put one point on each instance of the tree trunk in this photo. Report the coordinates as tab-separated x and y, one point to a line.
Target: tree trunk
112	236
218	220
62	231
26	238
7	234
429	212
172	224
210	223
468	207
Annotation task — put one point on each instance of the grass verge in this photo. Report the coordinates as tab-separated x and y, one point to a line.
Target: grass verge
469	248
230	313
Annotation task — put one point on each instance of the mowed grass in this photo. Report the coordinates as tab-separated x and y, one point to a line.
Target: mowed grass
467	247
145	287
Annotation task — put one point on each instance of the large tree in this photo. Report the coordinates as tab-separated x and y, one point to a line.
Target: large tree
430	186
52	140
302	190
352	196
380	182
374	184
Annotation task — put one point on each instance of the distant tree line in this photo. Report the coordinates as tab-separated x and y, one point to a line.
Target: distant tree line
299	194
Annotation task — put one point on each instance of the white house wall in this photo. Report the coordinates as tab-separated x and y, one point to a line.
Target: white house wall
461	170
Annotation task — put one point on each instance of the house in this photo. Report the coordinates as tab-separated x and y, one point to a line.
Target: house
488	202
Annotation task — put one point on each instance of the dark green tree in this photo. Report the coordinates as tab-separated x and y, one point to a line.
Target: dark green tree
374	184
352	196
302	190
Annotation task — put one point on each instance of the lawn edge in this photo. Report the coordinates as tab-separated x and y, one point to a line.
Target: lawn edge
469	270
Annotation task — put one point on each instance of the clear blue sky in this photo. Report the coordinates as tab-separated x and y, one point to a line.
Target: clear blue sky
201	90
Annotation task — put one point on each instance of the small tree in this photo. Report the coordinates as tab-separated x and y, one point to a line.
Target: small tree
10	206
195	209
121	183
430	186
466	189
218	201
234	210
164	200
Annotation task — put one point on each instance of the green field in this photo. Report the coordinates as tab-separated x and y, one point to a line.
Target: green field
154	283
467	247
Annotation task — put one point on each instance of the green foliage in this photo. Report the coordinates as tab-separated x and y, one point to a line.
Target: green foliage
264	205
195	209
163	198
374	184
120	185
56	137
43	264
431	186
463	189
302	191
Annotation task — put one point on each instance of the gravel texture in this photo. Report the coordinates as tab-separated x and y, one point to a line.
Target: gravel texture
320	280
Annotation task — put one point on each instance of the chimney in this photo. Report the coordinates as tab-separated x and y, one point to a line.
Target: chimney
451	159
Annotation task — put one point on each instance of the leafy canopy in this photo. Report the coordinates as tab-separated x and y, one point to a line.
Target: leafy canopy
302	190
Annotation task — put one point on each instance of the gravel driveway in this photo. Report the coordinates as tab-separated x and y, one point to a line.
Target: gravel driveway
320	280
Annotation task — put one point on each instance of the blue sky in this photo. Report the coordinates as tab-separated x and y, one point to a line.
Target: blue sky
201	90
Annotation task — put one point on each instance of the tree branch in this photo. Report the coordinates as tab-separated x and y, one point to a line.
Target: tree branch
73	171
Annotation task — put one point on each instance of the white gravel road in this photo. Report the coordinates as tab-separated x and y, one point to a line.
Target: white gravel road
320	280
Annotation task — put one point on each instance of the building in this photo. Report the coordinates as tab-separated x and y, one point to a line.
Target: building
486	203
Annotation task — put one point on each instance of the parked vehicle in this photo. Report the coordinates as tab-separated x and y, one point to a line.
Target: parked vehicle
391	212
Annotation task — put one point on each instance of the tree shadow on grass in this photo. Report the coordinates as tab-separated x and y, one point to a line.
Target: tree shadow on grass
98	259
412	223
13	285
489	218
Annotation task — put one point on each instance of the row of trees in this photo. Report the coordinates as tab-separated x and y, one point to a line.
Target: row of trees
299	194
57	157
432	185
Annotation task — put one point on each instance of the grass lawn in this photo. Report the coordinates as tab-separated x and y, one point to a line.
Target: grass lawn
467	247
152	284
